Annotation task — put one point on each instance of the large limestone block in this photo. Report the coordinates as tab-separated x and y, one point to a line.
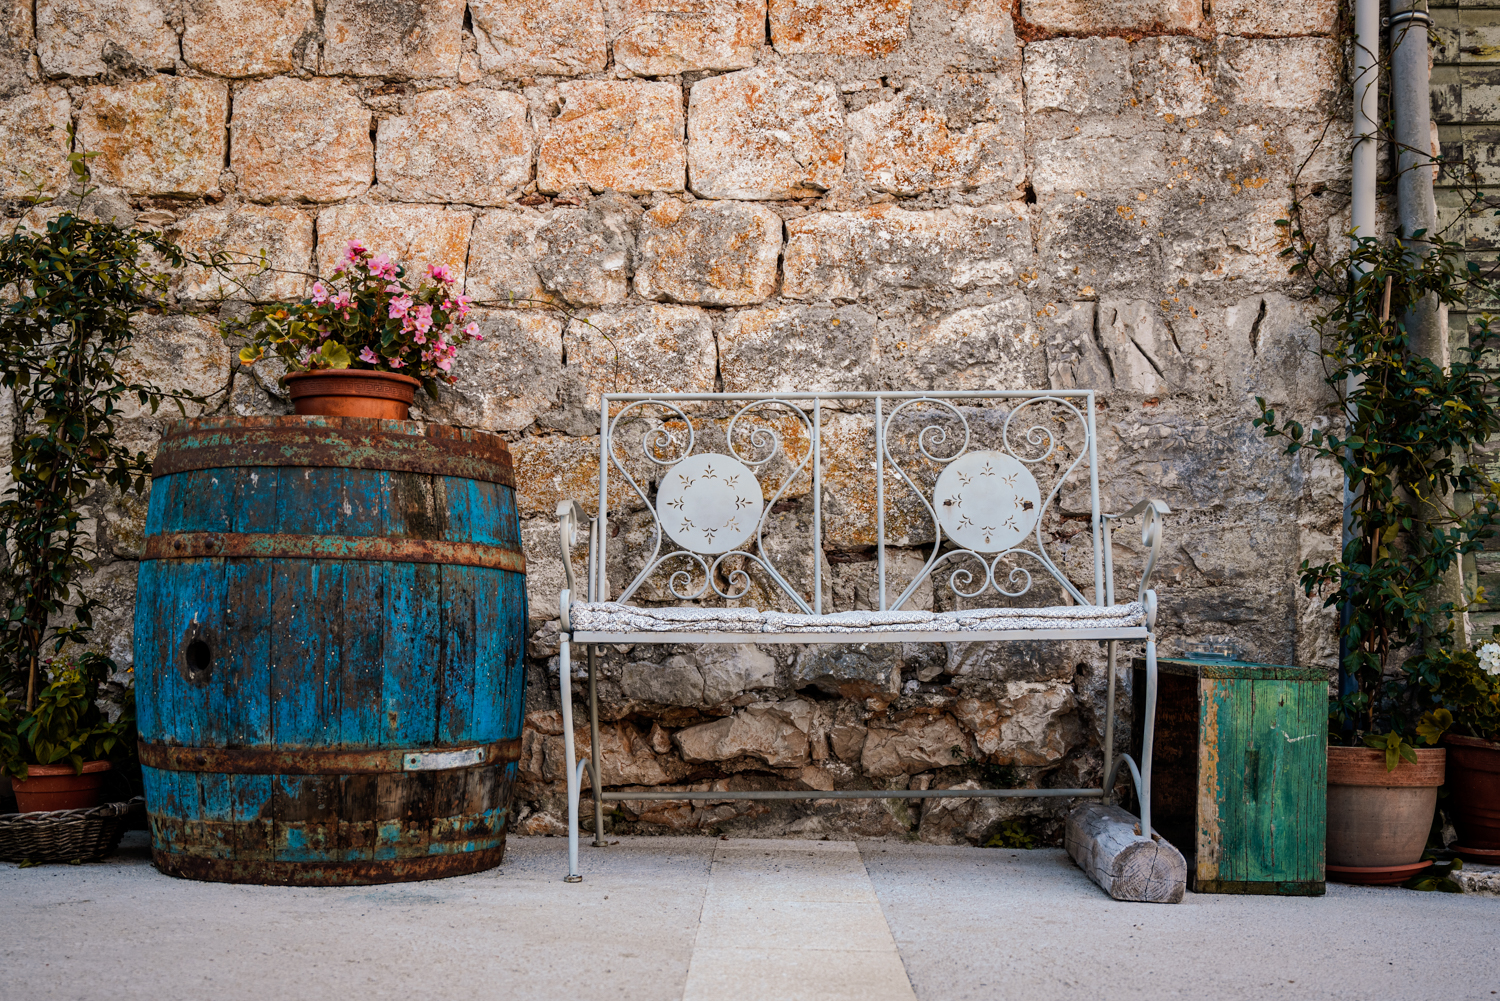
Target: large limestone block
649	349
555	468
1281	74
507	379
471	146
502	257
300	140
540	38
1078	76
839	27
764	134
583	254
772	732
241	234
1256	17
163	135
917	743
667	37
1093	242
957	134
1033	725
1107	154
183	354
414	236
393	38
708	675
708	253
1098	17
246	37
614	135
797	348
847	255
981	347
34	142
93	37
1177	78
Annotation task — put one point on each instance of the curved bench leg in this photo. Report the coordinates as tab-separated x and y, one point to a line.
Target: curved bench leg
565	692
1140	775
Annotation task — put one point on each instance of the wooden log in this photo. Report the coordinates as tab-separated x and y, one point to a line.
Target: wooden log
1105	841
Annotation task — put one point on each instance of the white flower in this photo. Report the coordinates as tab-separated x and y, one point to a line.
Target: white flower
1489	658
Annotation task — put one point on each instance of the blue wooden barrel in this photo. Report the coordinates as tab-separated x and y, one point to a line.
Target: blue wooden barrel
329	634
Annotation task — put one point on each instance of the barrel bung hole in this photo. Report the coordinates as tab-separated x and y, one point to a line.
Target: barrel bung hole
198	655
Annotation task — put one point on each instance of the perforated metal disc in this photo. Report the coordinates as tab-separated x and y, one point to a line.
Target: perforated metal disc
709	503
987	501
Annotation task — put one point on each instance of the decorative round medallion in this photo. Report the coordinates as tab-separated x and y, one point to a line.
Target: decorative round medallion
709	503
987	501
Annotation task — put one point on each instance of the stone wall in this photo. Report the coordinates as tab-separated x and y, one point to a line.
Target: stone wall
768	194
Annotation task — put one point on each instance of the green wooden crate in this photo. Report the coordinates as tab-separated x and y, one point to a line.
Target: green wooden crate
1239	772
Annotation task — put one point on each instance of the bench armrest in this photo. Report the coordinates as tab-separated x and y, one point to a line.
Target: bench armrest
1150	512
571	517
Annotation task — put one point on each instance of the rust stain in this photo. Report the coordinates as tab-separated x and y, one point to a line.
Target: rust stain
301	760
1208	783
226	545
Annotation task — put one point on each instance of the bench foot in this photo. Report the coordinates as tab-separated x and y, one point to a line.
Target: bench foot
1107	844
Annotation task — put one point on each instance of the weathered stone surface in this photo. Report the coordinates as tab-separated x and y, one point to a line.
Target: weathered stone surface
161	136
473	146
613	135
1098	17
240	38
285	234
913	744
959	133
17	42
1253	17
1280	74
708	253
180	354
1093	242
1101	157
772	732
649	349
799	348
502	257
34	141
707	676
554	468
1074	358
300	140
845	255
1078	76
839	27
509	378
583	255
542	38
413	235
980	347
666	37
764	134
1033	725
859	671
93	37
393	38
1177	78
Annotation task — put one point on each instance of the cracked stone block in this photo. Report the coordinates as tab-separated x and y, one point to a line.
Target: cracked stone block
927	139
1078	76
1033	726
502	257
764	134
300	140
613	135
981	347
1074	358
507	379
1253	17
708	253
772	732
649	349
541	37
246	37
34	142
1280	74
798	348
93	37
839	27
470	146
161	136
667	37
847	255
241	233
914	744
414	236
401	39
1100	17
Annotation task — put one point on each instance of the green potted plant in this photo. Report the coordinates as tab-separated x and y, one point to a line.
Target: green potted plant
364	339
1467	688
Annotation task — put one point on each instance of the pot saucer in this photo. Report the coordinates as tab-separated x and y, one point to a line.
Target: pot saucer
1484	856
1375	875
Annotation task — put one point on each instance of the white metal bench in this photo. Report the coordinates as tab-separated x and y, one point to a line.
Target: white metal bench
967	478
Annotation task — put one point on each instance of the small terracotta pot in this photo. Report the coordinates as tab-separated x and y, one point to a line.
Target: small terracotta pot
1376	817
347	392
55	787
1474	791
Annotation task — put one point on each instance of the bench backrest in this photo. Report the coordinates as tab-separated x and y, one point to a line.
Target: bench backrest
966	490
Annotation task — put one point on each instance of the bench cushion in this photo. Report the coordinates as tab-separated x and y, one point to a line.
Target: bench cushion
613	617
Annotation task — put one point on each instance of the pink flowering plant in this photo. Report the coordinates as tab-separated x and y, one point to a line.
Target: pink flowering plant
366	316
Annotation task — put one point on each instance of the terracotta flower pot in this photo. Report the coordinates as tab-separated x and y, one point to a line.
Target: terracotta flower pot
1474	790
1376	817
347	392
55	787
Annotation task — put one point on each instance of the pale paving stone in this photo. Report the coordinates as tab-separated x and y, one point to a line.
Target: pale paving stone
763	134
161	136
34	141
73	36
303	140
472	146
502	257
241	233
540	37
666	37
1281	74
708	253
839	27
929	139
246	37
799	348
614	135
507	379
649	349
414	236
1097	17
1255	17
981	347
393	39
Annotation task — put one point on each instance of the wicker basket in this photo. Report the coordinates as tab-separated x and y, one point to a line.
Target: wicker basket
65	835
